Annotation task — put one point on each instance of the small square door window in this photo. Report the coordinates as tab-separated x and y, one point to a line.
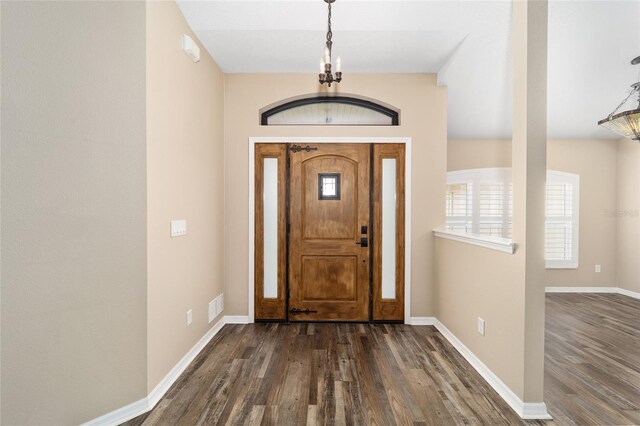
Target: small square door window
329	186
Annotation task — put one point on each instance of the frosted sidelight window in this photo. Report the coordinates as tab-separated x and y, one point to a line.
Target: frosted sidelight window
270	202
388	228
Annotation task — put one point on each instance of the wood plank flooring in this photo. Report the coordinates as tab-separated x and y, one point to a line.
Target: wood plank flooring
308	374
592	359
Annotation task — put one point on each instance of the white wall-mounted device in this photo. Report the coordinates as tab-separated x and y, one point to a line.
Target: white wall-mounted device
178	228
481	326
190	48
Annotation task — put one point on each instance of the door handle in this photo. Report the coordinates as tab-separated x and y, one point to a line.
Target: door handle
364	242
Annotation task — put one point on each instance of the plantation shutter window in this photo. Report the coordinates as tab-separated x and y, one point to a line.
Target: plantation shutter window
460	207
492	212
561	223
477	201
480	201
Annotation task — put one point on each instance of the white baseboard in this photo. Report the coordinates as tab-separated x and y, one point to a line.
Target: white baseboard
611	290
422	321
580	289
629	293
236	319
524	410
535	411
158	392
121	415
143	405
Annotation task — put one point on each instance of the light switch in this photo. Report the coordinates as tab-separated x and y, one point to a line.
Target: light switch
178	228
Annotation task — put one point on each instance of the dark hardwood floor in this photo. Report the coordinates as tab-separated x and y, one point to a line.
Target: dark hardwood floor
592	359
277	374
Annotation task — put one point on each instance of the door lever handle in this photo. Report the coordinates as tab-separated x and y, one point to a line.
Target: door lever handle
364	242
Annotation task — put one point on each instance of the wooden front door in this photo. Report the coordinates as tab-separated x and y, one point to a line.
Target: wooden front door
329	208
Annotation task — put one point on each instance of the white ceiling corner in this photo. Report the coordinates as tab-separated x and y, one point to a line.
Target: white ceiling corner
466	42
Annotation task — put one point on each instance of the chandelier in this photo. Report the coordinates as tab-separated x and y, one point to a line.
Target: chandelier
325	63
626	123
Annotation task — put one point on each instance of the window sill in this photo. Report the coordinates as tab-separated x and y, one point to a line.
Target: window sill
560	267
503	245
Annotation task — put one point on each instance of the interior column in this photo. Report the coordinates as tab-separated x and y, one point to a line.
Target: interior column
529	152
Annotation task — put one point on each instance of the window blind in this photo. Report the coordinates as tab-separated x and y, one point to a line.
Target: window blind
559	209
460	207
491	200
480	201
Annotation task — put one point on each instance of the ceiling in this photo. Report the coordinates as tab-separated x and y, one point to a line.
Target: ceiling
467	43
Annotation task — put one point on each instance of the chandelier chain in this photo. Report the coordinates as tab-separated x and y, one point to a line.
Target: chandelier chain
634	90
329	33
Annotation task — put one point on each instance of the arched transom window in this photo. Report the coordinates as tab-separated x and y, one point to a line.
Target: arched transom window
330	111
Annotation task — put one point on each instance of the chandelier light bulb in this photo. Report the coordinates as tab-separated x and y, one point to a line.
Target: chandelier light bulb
321	66
338	64
327	56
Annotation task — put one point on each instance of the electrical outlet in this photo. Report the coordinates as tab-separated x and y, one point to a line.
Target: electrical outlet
598	268
480	326
189	317
212	310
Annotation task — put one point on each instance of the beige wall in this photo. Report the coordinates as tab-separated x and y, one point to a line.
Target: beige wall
595	161
91	321
73	210
423	117
185	181
465	154
1	67
477	282
627	213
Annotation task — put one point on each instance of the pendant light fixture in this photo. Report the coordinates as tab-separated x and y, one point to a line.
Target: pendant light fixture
325	62
626	123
